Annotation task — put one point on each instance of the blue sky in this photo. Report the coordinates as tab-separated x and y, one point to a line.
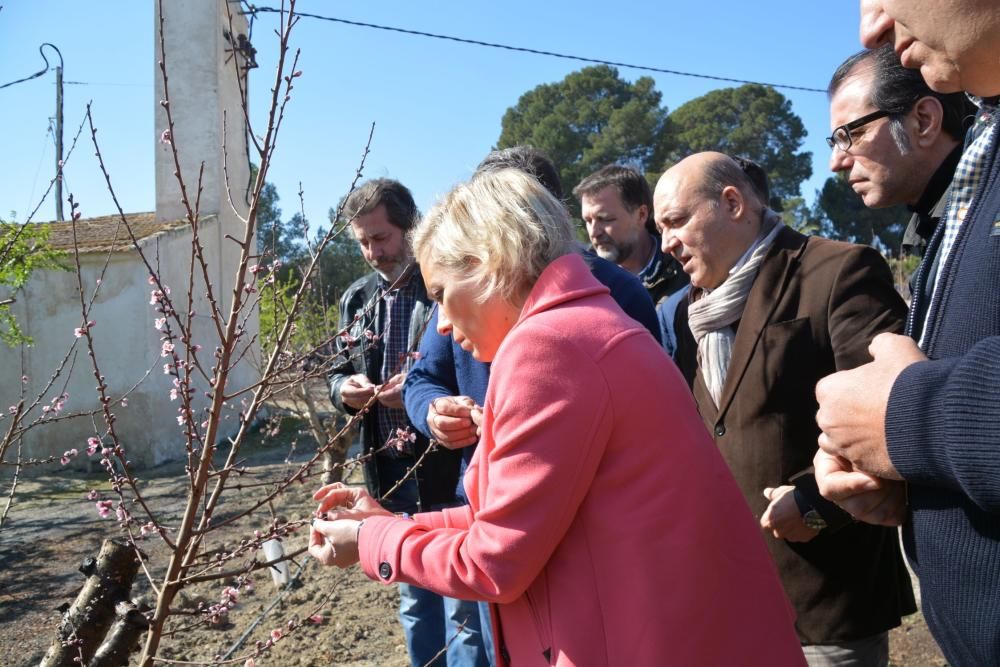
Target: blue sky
437	105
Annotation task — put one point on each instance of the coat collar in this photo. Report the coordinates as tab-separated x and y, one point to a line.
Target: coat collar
566	279
772	282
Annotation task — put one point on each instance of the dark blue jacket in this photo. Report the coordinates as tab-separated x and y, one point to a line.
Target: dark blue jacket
943	431
445	369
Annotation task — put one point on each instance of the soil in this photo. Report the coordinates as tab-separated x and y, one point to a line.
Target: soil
53	527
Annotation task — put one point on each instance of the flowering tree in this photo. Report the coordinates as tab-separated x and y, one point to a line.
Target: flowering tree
201	353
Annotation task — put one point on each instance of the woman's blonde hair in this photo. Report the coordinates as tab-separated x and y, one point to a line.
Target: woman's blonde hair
501	230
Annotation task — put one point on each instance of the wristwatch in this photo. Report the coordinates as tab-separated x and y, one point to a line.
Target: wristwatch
813	520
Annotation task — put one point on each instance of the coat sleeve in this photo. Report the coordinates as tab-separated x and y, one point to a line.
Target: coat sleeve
545	433
343	365
943	424
432	377
863	303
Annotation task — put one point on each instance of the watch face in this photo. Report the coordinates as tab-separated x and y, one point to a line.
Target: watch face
813	520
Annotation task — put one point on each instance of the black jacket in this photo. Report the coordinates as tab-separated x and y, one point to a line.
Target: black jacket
357	353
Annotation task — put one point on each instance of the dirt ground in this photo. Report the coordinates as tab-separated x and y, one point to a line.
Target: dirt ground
53	527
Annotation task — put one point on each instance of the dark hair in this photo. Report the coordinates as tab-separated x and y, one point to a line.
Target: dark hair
757	177
399	205
528	159
895	89
632	187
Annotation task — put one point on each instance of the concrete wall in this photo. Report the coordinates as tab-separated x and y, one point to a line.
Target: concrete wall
202	88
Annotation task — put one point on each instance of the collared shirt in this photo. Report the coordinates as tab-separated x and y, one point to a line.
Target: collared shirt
395	309
652	267
929	209
963	188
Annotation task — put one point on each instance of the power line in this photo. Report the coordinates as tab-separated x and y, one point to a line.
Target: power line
597	61
107	83
38	73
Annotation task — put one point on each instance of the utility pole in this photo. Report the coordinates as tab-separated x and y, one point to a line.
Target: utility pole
58	129
59	138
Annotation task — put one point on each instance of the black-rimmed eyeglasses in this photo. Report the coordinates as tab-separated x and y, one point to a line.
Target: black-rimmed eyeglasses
841	137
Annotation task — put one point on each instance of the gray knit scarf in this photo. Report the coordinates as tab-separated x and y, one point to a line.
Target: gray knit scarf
712	314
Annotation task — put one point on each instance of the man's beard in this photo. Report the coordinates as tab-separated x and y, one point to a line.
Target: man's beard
608	252
392	269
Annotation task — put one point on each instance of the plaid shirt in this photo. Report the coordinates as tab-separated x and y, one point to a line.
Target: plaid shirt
963	187
394	311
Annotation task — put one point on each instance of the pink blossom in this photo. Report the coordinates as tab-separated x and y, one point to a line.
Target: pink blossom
317	619
167	368
147	529
92	494
120	513
159	322
165	136
79	331
151	280
92	445
230	596
24	379
97	282
275	635
104	508
166	348
67	455
250	663
12	409
124	402
173	394
254	268
181	420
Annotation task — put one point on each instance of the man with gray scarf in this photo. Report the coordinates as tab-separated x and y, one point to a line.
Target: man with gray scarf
772	312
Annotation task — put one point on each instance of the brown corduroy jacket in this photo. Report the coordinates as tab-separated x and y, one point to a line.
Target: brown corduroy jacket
813	309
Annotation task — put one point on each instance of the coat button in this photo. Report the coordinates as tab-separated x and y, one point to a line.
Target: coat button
384	570
720	430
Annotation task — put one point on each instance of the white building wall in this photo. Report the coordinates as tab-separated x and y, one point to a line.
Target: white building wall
202	88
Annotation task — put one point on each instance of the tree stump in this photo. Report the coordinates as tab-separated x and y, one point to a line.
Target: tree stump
84	626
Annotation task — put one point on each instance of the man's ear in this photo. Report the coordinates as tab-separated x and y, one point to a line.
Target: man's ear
642	213
732	202
927	114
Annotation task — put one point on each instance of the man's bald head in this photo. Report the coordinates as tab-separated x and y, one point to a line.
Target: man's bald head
709	173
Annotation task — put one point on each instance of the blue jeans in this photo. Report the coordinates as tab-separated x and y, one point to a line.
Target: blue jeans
432	622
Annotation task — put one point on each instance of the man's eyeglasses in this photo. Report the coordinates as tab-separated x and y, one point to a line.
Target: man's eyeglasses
841	137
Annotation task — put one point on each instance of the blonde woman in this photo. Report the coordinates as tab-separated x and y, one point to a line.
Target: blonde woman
602	522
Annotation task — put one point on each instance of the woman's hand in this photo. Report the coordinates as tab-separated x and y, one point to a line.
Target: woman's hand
339	501
334	542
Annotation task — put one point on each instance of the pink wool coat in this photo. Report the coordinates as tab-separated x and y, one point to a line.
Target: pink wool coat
603	523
